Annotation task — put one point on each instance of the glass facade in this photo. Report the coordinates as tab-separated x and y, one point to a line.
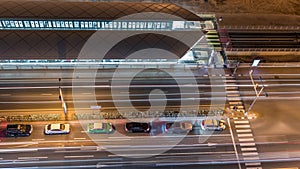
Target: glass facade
11	24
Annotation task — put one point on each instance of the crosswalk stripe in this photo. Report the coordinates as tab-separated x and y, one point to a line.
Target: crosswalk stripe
247	144
253	164
250	154
245	135
242	126
245	139
251	158
241	122
253	167
249	149
244	131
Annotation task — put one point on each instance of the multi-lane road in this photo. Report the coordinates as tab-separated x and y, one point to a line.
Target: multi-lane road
275	132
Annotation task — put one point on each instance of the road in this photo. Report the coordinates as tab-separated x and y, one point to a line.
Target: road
274	131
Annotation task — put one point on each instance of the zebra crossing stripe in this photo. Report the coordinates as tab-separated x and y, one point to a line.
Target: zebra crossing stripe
244	131
245	139
253	167
250	154
252	164
242	126
251	158
247	144
249	149
241	122
245	135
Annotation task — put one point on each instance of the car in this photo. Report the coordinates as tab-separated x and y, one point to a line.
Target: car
18	130
213	124
137	127
57	128
179	127
100	128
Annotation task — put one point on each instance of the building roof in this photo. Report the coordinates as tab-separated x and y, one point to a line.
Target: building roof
90	10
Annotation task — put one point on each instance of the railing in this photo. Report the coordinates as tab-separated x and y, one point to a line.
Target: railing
263	49
260	27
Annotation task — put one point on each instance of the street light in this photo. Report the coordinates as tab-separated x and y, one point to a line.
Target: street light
257	94
61	98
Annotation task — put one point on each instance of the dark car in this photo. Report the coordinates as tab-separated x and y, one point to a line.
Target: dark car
137	127
18	130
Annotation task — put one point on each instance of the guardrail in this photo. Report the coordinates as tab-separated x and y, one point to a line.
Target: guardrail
95	65
263	49
259	27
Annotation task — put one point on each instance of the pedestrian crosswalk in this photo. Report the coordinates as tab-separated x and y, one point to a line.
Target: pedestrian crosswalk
242	127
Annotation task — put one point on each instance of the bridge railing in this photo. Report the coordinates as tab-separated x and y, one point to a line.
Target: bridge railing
260	27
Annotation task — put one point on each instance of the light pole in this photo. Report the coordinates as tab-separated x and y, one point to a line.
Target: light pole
257	94
61	98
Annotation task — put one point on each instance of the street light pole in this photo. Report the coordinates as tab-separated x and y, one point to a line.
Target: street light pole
257	94
61	98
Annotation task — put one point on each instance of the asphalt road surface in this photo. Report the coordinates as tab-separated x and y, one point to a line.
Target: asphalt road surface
275	131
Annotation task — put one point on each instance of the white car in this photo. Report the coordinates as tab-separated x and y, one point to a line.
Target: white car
213	124
57	129
179	127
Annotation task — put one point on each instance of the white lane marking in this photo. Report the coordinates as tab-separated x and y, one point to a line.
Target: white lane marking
250	154
31	158
234	145
242	126
18	150
38	139
245	139
86	93
251	158
252	164
84	156
46	94
17	143
241	122
249	149
5	94
253	167
82	138
244	131
247	144
167	155
245	135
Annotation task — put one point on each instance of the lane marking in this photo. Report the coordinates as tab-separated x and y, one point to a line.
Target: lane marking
31	158
46	94
249	149
245	139
245	135
247	144
38	139
243	130
253	167
242	126
234	145
82	138
84	156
